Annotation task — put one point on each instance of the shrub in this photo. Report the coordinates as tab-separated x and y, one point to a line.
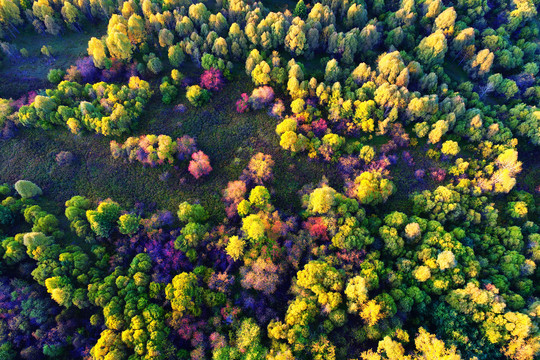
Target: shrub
261	97
27	189
199	165
55	75
278	109
186	146
64	158
168	92
197	96
46	50
212	79
154	65
242	104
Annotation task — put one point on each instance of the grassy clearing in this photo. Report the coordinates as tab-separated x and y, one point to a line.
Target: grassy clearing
229	138
25	74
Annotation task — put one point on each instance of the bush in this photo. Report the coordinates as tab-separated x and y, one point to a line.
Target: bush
199	165
212	79
27	189
154	65
242	104
64	158
197	96
46	50
55	75
168	92
261	97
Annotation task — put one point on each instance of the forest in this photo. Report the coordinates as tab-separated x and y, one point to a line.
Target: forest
269	180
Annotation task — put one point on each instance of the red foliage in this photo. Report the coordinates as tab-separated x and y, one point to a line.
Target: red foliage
319	127
212	79
114	73
317	228
26	99
438	174
242	105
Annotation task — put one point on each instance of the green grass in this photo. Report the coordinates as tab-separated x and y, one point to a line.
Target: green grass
25	74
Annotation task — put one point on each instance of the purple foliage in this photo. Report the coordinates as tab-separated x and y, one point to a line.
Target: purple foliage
419	174
258	306
524	81
89	72
8	130
186	147
164	176
392	159
166	260
348	165
141	155
180	108
218	258
312	101
30	319
408	158
159	244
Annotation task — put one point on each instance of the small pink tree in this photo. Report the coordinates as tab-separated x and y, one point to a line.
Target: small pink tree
212	79
199	165
242	105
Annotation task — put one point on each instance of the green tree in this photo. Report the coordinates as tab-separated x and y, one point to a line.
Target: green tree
185	294
432	49
300	9
27	189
